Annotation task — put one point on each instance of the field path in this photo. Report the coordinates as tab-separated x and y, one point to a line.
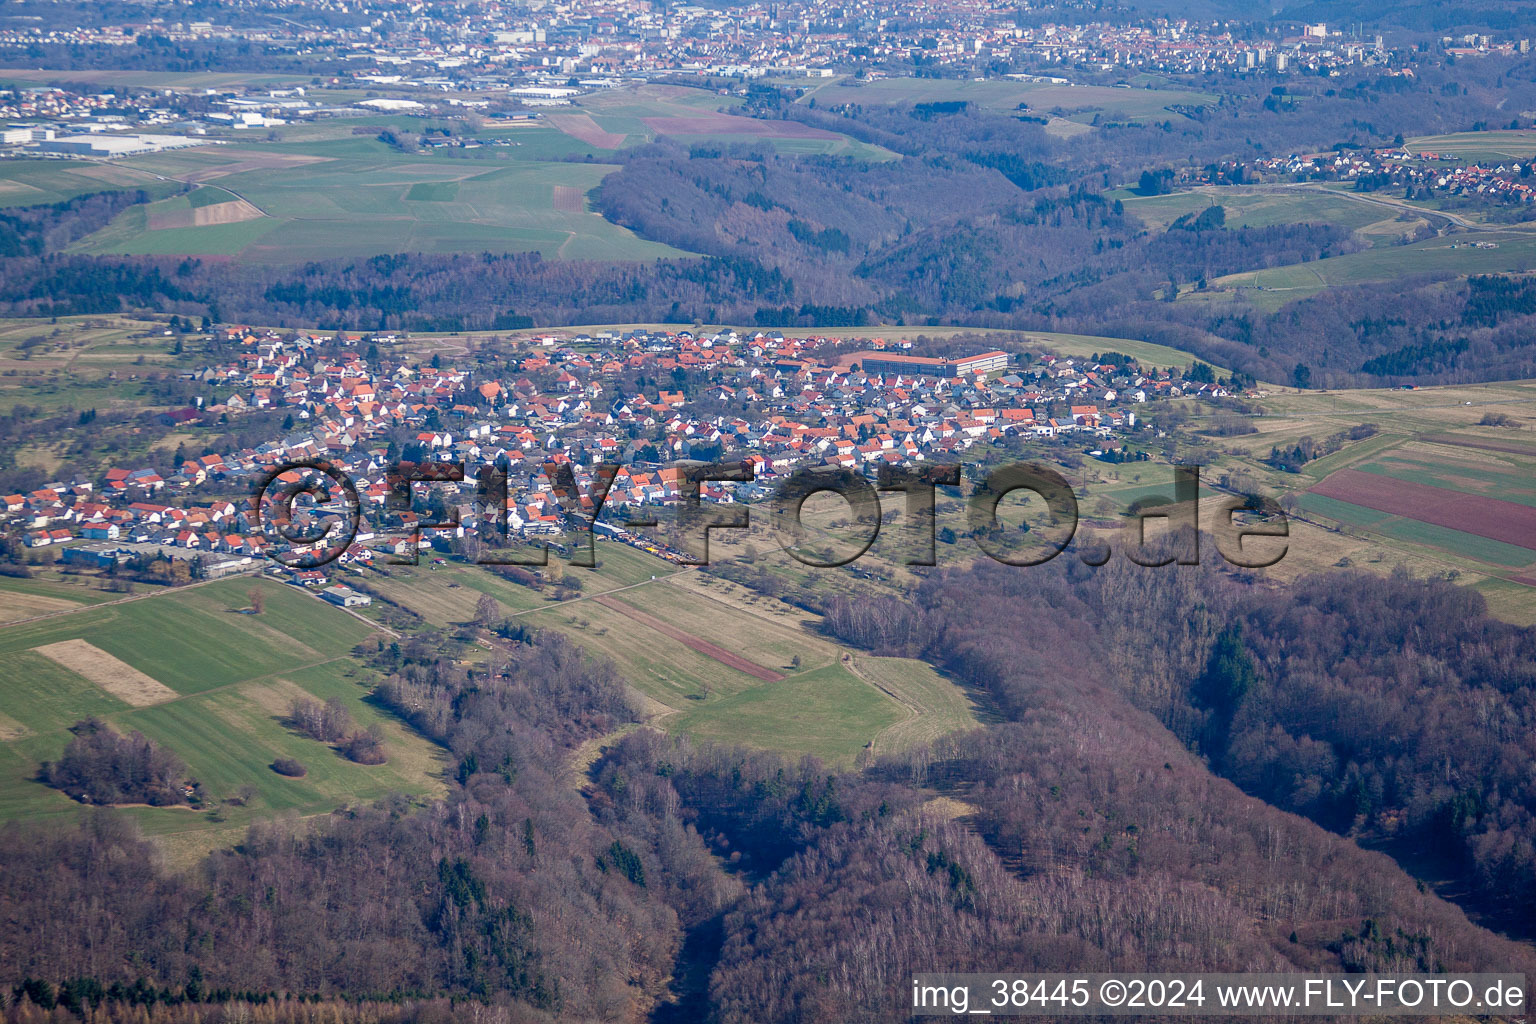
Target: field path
594	597
365	620
193	182
911	710
578	769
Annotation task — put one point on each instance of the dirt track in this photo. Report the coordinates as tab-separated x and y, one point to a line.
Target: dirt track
24	606
704	647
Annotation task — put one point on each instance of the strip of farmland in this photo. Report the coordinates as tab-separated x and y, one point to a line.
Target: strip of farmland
1498	520
1457	441
697	643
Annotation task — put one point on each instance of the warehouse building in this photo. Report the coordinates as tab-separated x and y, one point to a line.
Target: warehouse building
111	146
871	361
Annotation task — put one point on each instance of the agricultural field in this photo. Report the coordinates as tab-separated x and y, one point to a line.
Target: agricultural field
1505	144
1474	502
13	77
192	670
1346	507
1483	252
712	659
83	362
628	117
827	712
1510	525
1080	103
31	182
1267	205
357	196
44	595
936	706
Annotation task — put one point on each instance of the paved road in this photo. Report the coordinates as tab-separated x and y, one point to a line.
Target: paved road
1400	205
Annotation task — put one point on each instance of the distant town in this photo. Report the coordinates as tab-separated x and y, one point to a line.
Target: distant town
492	48
408	59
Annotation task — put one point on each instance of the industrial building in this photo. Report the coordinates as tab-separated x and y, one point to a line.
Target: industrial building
872	361
111	146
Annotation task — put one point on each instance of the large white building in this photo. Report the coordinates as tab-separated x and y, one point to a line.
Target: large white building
116	145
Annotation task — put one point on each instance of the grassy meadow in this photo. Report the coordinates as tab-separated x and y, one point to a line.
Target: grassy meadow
234	675
1485	252
1503	144
1266	206
823	705
633	116
356	196
1076	101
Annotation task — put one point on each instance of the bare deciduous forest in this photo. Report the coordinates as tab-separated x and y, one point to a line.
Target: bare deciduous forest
1120	817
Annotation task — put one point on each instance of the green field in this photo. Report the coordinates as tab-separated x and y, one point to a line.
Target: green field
1465	550
356	196
73	591
821	707
1266	206
446	595
1110	103
1127	496
1511	483
936	704
1504	144
1081	345
828	712
29	182
1513	252
234	675
694	116
1501	475
1339	511
1469	545
1512	602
